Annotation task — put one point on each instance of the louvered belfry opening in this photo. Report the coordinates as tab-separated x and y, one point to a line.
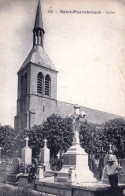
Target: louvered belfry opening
40	83
47	85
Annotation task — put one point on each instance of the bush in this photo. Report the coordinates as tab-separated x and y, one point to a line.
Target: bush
8	190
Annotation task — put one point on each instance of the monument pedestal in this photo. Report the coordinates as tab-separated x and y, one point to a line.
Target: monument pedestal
77	159
27	155
40	173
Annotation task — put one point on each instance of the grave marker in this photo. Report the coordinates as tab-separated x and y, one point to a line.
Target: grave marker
27	153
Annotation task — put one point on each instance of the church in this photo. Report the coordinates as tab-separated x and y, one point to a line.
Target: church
37	87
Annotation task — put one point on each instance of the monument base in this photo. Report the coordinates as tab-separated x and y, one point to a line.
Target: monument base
75	167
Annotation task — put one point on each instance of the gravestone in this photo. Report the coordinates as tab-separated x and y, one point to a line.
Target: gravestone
26	159
45	156
27	154
13	170
14	165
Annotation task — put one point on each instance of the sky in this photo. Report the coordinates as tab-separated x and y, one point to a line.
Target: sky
88	50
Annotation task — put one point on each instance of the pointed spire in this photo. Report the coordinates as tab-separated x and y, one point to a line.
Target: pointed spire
38	31
38	21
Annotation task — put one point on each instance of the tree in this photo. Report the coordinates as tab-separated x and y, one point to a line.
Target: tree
7	134
114	133
111	132
59	133
57	130
90	135
36	137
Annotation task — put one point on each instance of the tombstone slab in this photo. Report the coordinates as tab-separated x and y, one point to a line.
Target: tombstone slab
45	155
27	154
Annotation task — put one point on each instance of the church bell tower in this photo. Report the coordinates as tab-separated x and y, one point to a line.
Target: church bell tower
37	83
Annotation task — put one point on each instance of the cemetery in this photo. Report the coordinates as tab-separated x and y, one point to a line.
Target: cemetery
58	148
72	177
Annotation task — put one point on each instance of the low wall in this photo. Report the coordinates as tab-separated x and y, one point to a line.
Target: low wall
47	185
53	188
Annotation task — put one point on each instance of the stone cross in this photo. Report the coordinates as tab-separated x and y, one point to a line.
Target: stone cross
27	139
45	141
76	117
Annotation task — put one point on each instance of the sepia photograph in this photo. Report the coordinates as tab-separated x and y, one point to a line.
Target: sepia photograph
62	92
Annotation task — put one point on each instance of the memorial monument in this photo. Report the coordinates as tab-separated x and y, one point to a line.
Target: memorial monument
76	159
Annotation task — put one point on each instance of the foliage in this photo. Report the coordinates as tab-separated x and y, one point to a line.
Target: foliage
7	134
90	137
52	129
114	133
111	132
59	133
36	137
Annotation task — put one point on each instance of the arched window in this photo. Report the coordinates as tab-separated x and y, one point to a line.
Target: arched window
25	84
47	85
21	85
40	83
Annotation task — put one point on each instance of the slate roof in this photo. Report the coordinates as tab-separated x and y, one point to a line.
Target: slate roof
93	115
98	117
38	56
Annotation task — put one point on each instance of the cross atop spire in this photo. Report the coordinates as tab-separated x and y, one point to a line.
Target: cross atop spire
38	21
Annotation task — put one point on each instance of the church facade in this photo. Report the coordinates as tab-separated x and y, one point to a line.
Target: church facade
37	87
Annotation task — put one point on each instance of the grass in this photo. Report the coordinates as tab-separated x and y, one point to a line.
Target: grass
9	190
